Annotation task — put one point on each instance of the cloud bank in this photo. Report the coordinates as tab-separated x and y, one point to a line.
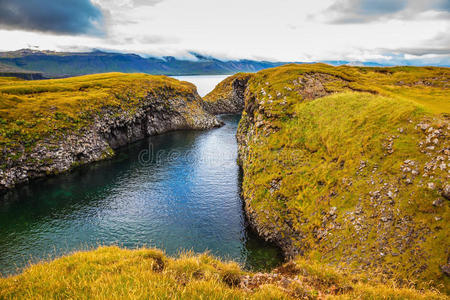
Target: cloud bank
366	11
53	16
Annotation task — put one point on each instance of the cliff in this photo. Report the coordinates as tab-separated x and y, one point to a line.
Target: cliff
350	166
51	126
228	96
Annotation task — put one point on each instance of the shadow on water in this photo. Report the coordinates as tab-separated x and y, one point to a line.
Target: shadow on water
185	195
259	254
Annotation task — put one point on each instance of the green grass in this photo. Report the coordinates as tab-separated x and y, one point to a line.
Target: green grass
31	111
115	273
427	86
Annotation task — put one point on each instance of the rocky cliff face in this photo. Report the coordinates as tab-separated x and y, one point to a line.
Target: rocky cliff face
111	128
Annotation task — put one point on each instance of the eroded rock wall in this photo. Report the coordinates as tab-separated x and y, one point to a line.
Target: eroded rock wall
113	128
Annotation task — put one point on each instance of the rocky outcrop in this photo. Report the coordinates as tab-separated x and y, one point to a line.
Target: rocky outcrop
112	128
309	192
228	96
308	87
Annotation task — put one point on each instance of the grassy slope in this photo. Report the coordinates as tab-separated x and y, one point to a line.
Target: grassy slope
34	110
114	273
427	86
306	156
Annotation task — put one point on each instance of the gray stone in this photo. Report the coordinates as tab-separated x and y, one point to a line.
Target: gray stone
332	211
446	191
438	202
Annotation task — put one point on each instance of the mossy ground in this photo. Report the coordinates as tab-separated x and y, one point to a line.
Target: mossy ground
325	162
34	110
115	273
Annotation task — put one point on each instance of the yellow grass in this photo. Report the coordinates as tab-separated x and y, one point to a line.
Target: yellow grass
115	273
33	110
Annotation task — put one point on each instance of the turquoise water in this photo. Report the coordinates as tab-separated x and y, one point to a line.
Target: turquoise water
175	191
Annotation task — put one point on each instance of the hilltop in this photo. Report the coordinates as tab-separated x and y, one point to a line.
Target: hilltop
349	166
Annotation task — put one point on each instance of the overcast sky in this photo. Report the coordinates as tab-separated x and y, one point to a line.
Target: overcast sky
282	30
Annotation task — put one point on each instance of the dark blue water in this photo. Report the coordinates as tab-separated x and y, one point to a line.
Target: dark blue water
175	191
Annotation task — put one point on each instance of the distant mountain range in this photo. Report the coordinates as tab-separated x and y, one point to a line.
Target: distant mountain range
33	64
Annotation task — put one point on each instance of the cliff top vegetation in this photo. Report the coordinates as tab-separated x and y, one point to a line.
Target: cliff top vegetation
33	110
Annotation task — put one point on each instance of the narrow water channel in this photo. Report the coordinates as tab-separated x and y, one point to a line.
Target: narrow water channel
179	190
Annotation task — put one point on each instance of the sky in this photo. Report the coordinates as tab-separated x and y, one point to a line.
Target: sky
396	31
